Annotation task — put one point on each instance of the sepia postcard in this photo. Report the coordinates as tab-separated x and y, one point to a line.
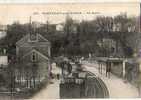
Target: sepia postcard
70	50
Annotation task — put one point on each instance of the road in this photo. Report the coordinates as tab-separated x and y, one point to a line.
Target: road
51	91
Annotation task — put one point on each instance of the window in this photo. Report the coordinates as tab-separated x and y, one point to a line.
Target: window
33	37
34	57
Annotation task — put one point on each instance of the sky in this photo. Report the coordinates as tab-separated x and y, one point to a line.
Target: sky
56	12
62	1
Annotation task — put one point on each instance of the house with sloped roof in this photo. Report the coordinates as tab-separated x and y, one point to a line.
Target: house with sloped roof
33	58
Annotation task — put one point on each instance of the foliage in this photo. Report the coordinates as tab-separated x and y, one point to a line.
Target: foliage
77	38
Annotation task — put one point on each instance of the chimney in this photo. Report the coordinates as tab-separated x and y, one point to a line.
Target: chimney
32	32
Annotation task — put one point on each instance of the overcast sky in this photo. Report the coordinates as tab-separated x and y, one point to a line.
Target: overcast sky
56	13
60	1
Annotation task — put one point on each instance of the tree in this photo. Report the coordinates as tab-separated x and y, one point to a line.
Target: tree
68	26
76	35
105	24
